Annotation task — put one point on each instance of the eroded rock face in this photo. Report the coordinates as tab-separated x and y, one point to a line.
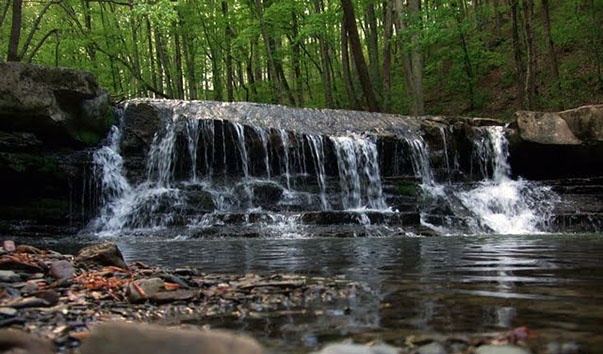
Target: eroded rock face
61	106
48	118
566	144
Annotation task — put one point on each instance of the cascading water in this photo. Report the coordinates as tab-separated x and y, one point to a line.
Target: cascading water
212	172
499	203
258	167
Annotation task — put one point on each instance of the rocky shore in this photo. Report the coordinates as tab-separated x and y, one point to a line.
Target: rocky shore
94	302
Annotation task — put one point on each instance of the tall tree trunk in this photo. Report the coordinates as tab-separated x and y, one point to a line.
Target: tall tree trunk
3	12
324	57
151	54
373	47
272	71
530	84
388	7
347	72
549	39
189	60
178	64
15	32
349	22
517	55
295	61
412	59
228	35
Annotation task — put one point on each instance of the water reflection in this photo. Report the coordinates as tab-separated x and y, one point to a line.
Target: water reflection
550	283
445	284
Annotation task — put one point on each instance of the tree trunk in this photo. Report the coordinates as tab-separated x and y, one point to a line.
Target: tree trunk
347	72
178	64
324	57
274	77
387	55
228	35
530	84
517	55
349	22
412	59
373	46
295	61
549	39
15	32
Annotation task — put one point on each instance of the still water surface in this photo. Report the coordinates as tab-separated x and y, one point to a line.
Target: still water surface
464	284
422	286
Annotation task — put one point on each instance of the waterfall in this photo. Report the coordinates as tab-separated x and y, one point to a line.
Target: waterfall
359	174
216	173
499	203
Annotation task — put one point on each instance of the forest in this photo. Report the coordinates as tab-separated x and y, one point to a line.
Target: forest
453	57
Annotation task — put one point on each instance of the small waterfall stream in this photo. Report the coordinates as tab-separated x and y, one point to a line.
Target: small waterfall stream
209	175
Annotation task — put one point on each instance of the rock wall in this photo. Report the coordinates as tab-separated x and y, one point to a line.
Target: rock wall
49	117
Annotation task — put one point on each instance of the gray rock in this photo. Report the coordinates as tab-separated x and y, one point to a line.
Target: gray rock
545	128
57	104
358	349
116	337
8	276
13	341
8	311
62	269
501	349
105	254
9	246
432	348
142	289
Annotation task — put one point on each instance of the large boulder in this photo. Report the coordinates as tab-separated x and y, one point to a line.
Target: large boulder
61	106
552	145
49	117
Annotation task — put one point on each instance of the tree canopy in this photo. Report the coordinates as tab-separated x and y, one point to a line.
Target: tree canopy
487	57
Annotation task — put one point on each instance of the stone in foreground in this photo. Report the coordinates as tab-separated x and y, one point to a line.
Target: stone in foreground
106	254
13	341
116	337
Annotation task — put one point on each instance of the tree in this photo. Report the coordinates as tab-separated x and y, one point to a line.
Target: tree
349	23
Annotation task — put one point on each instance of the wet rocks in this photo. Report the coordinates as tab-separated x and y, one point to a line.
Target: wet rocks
142	339
61	269
501	349
105	254
142	289
358	349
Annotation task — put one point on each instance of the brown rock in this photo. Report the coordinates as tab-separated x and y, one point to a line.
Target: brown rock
116	337
171	296
142	289
105	254
13	341
62	269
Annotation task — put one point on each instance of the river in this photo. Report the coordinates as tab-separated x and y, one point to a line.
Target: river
454	285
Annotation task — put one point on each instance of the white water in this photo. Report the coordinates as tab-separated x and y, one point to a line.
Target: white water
261	183
499	203
163	198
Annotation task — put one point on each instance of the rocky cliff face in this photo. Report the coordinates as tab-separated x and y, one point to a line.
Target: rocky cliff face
48	118
565	150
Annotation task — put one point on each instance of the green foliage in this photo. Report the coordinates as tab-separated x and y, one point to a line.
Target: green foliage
185	48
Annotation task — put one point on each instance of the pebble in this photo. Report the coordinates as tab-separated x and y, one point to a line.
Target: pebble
358	349
8	311
432	348
149	287
9	246
501	349
8	276
116	337
62	269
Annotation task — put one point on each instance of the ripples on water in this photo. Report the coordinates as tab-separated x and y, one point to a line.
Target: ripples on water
460	284
550	283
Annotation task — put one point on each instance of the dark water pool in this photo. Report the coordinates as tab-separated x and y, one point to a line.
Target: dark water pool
423	286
